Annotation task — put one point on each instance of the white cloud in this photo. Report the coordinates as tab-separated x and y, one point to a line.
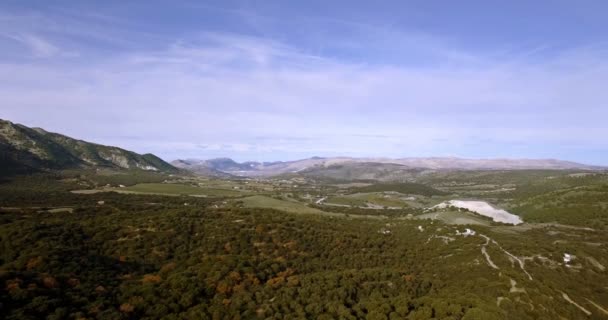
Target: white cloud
223	91
39	46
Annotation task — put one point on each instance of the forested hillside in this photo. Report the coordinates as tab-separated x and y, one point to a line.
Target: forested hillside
26	150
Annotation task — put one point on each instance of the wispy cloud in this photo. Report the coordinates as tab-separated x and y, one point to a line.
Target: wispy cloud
38	46
211	93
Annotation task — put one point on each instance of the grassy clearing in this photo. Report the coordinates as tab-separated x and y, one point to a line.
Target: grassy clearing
405	188
456	217
362	200
383	200
171	189
347	201
288	206
164	188
60	210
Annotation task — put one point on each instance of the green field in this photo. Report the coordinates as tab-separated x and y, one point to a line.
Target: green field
455	217
404	188
170	189
369	199
346	201
283	205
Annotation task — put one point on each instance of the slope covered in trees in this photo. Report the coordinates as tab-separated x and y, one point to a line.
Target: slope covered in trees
26	150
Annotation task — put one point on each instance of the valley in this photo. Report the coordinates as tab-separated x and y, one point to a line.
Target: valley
348	242
323	160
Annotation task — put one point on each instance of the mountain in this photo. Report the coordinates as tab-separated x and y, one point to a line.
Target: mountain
442	163
374	168
250	168
363	171
24	149
229	165
200	167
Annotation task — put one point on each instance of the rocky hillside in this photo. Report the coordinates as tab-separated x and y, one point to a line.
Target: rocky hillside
24	149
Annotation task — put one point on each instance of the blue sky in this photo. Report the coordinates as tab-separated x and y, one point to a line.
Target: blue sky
281	80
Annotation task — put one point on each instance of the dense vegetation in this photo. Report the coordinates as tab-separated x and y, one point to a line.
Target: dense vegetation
587	206
146	261
129	256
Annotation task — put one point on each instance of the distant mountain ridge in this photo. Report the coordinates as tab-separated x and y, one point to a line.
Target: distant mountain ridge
200	167
24	149
373	166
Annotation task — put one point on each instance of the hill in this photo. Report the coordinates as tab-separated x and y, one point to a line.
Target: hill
363	171
202	168
225	165
443	163
25	149
384	169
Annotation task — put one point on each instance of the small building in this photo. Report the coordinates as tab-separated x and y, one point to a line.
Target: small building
384	231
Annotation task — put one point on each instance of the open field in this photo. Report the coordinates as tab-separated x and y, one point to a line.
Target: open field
173	188
345	201
168	189
455	217
373	200
283	205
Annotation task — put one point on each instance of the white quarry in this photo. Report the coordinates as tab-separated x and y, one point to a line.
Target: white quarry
483	208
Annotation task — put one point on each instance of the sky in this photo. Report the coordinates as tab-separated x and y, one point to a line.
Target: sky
284	80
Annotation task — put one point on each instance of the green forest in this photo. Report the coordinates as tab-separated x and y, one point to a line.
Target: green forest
143	256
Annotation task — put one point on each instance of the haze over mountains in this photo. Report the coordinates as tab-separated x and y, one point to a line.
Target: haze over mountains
25	149
317	164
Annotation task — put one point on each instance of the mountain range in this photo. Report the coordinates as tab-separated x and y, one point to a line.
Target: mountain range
24	149
372	168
